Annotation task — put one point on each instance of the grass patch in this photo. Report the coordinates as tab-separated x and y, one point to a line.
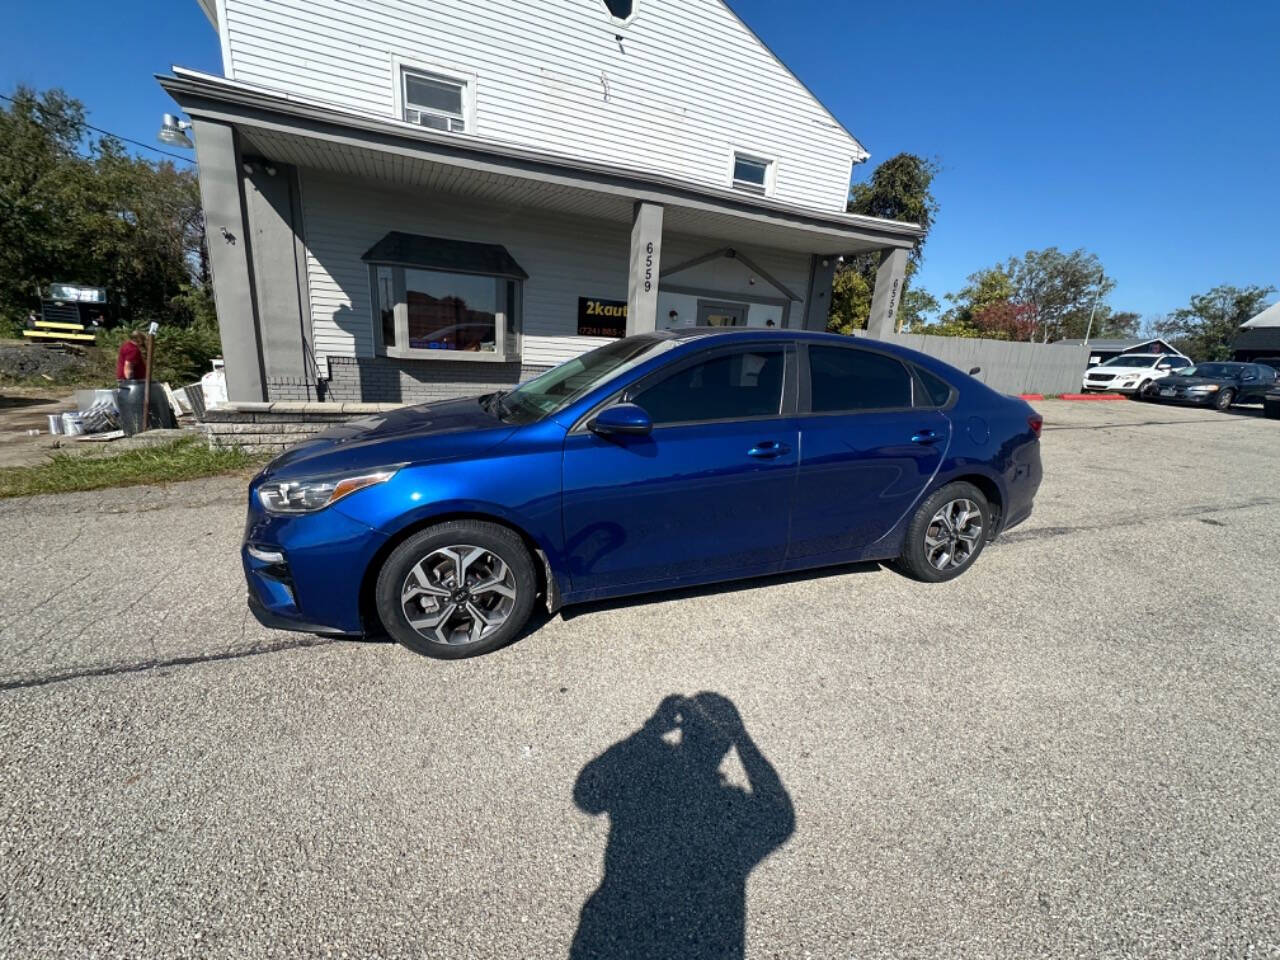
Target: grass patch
185	459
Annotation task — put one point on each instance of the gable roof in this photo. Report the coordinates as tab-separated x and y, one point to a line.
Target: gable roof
1269	317
864	154
1125	343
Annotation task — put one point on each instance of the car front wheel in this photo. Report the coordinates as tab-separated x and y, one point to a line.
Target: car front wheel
947	533
1140	391
1224	399
457	589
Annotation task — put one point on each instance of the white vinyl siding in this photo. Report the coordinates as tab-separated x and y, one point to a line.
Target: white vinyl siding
566	257
685	86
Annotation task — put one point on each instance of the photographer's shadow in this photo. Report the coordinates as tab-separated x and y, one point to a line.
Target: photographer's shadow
682	840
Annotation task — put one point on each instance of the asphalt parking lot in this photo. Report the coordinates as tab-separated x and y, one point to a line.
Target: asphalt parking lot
1069	751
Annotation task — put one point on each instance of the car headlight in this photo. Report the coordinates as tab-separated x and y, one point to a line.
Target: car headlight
1204	388
308	496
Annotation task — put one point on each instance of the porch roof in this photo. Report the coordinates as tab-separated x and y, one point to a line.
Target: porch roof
310	134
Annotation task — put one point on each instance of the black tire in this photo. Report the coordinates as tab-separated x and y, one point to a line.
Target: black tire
1140	391
915	560
498	543
1224	399
1271	409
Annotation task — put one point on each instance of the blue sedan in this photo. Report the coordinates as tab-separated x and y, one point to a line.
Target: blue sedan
659	461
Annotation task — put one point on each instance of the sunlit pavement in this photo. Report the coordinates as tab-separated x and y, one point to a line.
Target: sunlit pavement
1069	751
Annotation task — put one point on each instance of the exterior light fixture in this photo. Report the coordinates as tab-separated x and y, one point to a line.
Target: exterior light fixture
173	132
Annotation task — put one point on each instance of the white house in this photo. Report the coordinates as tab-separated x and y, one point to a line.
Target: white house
413	199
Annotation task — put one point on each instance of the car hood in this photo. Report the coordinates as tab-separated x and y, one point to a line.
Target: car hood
432	431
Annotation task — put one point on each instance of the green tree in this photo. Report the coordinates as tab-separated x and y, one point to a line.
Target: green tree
915	307
83	210
1042	295
1204	329
901	188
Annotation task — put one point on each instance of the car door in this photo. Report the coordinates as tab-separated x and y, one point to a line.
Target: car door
706	494
1254	383
872	437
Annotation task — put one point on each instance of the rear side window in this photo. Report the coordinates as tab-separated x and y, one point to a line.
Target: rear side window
730	386
846	379
937	391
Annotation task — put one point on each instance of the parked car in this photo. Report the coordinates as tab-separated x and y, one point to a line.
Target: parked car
1129	373
1215	384
1271	403
654	462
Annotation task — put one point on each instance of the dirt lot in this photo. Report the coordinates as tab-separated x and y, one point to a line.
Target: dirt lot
1070	751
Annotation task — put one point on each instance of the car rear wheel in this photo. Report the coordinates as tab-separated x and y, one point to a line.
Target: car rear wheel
947	533
458	589
1224	399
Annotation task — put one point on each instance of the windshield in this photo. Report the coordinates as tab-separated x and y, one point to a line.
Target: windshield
562	385
1131	360
1214	371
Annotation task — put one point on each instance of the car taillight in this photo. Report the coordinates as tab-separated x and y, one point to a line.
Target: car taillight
1035	422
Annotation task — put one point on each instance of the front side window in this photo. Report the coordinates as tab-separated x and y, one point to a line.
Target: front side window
440	315
841	379
731	386
751	173
434	101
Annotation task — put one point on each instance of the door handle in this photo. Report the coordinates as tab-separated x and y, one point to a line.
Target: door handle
926	437
768	450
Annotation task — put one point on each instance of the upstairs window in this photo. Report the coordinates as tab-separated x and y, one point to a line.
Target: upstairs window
620	9
434	101
752	174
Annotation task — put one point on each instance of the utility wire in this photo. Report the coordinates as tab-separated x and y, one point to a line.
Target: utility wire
116	136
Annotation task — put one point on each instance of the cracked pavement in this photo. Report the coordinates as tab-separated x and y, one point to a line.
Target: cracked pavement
1069	751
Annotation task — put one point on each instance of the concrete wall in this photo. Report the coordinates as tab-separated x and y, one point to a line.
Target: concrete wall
1007	367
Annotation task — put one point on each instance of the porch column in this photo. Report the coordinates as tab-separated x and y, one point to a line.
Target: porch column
230	259
887	293
817	301
646	258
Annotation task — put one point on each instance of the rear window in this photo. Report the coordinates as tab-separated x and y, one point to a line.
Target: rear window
937	391
842	379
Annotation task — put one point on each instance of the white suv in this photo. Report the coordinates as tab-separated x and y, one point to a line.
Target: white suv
1130	372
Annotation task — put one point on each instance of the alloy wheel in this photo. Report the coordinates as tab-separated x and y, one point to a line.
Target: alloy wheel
953	535
458	595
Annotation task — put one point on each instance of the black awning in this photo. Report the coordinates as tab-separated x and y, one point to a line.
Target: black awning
1257	338
452	256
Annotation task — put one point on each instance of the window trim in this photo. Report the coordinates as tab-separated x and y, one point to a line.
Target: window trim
503	352
467	79
753	156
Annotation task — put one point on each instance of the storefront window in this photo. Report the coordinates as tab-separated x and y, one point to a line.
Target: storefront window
451	311
387	305
436	314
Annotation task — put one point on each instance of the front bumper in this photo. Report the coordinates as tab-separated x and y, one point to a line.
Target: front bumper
315	586
1088	386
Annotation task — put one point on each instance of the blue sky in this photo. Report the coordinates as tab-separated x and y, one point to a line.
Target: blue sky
1147	133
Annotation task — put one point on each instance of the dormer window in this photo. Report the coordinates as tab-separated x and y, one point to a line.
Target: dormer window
752	174
621	9
434	101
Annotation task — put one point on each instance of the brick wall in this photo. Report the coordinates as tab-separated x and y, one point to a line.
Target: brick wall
388	380
274	426
292	388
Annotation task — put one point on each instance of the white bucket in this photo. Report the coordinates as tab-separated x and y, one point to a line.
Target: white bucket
72	424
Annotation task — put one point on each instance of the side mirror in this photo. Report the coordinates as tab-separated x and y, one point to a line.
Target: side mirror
1163	366
974	371
621	418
